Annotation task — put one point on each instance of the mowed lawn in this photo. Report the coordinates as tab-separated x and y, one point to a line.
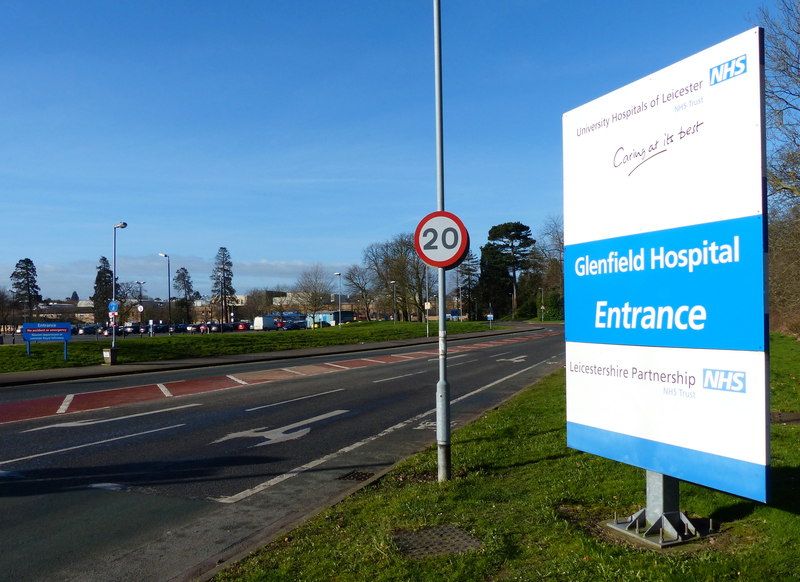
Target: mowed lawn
179	346
536	507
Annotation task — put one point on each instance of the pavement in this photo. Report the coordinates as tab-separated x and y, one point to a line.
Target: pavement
8	379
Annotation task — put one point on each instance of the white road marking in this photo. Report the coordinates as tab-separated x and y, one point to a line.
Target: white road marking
398	377
235	379
279	435
336	366
293	400
65	405
164	390
324	459
404	357
498	355
515	360
292	371
76	447
462	363
89	422
371	360
449	357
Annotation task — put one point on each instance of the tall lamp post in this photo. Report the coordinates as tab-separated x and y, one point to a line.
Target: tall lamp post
394	301
541	306
339	275
169	292
120	224
140	283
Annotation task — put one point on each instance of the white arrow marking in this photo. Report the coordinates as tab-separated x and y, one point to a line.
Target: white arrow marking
279	435
517	360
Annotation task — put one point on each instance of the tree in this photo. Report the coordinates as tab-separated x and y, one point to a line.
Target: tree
313	290
222	291
103	290
513	240
24	286
782	92
74	297
360	282
467	273
6	308
182	283
494	283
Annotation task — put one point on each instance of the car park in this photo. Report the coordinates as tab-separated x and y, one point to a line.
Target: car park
90	329
177	328
132	328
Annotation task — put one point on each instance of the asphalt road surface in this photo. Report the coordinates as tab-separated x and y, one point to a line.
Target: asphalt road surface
168	475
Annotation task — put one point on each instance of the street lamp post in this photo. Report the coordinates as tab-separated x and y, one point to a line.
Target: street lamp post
394	301
141	316
339	275
169	292
120	224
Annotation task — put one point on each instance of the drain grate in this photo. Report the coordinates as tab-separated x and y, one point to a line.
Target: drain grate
785	417
435	541
355	476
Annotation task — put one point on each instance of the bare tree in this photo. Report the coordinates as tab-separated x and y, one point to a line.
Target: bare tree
313	290
360	282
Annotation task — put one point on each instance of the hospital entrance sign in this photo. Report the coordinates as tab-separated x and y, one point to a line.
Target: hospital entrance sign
664	265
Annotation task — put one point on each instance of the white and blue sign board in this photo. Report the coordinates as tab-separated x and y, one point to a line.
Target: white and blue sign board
664	264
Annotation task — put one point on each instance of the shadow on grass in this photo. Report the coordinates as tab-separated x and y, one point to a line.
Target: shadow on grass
784	494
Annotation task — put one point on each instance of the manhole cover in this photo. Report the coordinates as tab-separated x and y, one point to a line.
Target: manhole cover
785	417
435	541
355	476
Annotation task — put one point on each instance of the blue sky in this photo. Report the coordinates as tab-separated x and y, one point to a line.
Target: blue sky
297	132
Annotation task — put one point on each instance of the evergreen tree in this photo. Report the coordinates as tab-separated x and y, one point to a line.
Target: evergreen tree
103	290
222	291
182	283
514	241
24	286
74	297
494	283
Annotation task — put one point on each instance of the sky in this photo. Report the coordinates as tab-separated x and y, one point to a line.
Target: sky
295	132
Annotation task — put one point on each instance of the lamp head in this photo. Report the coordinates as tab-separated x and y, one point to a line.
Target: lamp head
121	225
165	255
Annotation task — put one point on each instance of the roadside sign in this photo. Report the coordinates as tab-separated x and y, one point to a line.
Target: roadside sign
441	240
113	305
654	340
140	308
490	317
46	332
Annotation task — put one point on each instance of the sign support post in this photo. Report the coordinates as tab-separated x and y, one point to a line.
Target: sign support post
442	387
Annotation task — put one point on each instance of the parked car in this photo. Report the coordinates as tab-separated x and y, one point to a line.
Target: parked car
194	327
177	328
241	326
90	329
160	328
290	323
132	328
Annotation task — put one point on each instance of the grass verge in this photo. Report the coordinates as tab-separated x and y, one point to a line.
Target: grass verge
131	350
537	505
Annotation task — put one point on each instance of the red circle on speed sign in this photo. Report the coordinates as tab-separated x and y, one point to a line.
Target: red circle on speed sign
441	239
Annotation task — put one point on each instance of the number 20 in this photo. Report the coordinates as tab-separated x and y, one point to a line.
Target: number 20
448	233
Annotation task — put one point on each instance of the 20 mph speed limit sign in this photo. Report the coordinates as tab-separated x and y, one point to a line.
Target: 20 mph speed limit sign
441	239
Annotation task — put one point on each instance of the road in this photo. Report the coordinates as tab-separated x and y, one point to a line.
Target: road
166	475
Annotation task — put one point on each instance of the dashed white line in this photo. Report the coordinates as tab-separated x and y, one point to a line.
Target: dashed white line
164	390
371	360
293	400
65	405
104	441
237	380
292	371
336	366
89	422
315	463
398	377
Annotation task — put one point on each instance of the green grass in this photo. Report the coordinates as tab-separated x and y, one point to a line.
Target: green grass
536	506
131	350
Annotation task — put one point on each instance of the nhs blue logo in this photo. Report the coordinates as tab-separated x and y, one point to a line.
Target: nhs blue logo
725	380
728	70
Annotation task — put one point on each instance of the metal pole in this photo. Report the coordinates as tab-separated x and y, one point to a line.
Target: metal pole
169	296
340	298
114	290
442	387
541	306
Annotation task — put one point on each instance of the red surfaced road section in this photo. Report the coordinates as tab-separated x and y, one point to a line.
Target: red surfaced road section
52	405
26	409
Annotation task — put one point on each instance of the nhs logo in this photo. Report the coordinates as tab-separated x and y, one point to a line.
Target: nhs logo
725	380
728	70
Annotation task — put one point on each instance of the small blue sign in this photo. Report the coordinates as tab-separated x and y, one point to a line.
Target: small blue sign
113	305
